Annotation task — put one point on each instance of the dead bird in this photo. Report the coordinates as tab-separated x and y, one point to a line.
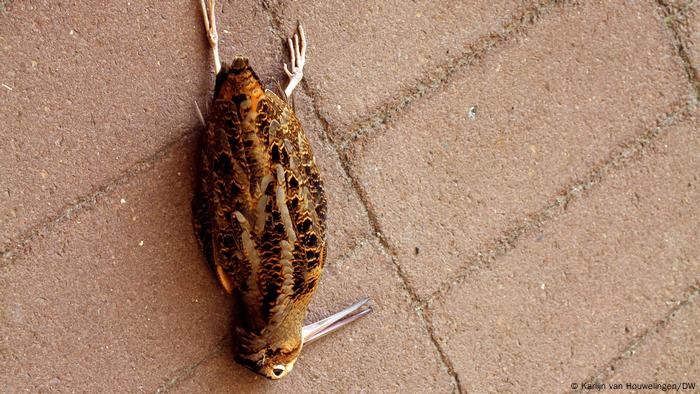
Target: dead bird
260	212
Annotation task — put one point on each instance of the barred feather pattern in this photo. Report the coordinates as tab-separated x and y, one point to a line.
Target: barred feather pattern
260	210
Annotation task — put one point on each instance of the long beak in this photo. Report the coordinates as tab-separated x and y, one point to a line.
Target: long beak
334	322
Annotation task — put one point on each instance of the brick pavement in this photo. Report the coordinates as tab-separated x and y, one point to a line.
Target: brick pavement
550	239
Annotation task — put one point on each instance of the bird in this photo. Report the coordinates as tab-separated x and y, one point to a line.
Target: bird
259	211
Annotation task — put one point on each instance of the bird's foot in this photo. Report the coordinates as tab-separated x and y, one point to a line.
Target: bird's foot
297	53
210	27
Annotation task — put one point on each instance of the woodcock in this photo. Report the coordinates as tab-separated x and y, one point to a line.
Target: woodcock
260	212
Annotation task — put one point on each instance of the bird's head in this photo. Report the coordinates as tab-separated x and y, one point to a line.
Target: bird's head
276	355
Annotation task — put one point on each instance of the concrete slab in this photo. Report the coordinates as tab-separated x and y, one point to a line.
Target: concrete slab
385	352
91	89
572	297
548	107
364	55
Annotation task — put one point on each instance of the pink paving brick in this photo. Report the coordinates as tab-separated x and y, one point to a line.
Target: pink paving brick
549	106
572	297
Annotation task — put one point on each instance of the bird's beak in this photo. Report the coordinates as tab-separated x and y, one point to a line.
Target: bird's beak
334	322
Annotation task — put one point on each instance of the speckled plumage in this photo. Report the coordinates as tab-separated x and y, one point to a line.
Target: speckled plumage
260	211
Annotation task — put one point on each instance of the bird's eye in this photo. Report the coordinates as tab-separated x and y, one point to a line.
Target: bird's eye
277	371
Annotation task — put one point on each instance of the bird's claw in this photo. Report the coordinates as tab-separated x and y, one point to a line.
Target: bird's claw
210	26
297	55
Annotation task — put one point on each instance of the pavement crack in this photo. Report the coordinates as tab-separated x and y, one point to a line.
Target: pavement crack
185	373
675	20
626	153
690	296
12	250
444	74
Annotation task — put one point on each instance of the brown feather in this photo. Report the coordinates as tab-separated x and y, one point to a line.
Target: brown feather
260	212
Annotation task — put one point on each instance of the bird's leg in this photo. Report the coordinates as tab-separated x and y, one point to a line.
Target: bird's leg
210	27
297	53
334	322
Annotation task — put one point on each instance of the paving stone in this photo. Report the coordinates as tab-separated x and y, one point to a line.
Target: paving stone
385	352
573	296
116	298
669	356
90	89
550	106
363	55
